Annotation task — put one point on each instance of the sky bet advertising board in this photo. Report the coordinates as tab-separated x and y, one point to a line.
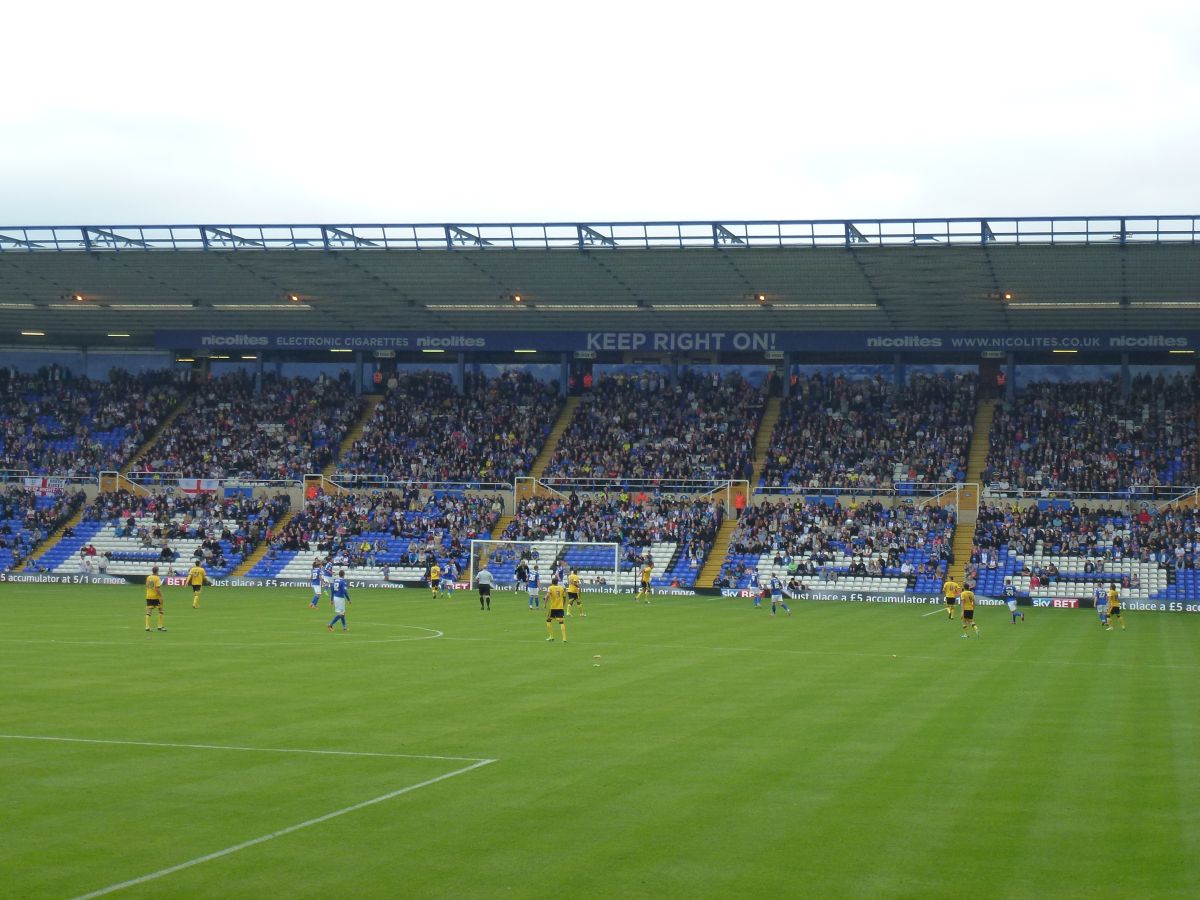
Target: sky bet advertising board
680	341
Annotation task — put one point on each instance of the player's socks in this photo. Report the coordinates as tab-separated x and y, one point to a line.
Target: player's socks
147	621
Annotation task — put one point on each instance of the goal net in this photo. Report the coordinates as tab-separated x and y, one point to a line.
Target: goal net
597	564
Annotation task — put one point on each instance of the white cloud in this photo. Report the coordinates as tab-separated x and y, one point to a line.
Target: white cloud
275	112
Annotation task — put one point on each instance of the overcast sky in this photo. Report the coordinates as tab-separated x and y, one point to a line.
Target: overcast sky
125	113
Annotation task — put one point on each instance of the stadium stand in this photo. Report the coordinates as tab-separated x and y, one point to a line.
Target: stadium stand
53	424
425	431
675	534
28	517
1057	549
867	434
381	535
1084	436
124	534
640	427
292	426
817	540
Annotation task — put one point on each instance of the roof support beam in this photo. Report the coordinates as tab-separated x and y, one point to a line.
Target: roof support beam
590	237
111	239
18	242
332	238
454	234
220	237
854	236
722	235
985	232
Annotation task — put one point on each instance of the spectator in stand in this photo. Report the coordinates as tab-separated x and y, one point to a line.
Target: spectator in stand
640	427
1084	436
866	433
620	519
292	426
37	516
436	525
53	424
424	431
821	538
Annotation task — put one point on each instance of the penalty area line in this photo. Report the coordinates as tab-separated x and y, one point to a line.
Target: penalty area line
254	842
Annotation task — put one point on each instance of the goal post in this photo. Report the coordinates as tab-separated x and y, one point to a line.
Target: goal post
596	563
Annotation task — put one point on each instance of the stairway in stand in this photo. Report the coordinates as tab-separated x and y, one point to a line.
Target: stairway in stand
762	442
162	429
354	434
716	558
560	427
762	439
37	554
964	531
256	555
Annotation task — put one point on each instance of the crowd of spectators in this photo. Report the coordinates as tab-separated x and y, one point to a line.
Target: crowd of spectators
157	521
1085	436
286	429
621	519
27	518
1097	537
424	430
56	424
813	538
869	433
388	527
642	427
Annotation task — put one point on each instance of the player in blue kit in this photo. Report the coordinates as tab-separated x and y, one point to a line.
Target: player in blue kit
1010	598
531	585
327	574
1100	598
754	586
449	573
314	581
340	595
777	595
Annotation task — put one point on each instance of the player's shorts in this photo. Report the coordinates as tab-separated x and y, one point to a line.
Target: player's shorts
485	590
645	585
1114	611
968	615
1012	604
196	588
950	601
154	603
573	597
557	614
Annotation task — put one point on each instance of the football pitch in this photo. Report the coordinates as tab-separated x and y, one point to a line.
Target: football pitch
436	750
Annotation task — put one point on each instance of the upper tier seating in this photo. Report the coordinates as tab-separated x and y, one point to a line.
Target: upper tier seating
425	431
53	424
1083	436
641	428
866	433
290	428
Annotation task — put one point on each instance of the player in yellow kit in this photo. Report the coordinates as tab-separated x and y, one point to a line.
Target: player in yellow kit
1114	607
154	598
967	598
644	591
196	577
556	602
575	594
435	579
950	591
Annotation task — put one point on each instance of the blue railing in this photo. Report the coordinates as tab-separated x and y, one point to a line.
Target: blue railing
607	235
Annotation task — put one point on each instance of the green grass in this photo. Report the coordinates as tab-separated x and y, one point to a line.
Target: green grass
851	750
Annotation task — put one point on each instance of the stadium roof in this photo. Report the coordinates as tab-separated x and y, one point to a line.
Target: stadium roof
80	284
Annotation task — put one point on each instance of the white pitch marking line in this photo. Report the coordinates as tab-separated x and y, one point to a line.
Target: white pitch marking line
932	613
170	870
70	740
